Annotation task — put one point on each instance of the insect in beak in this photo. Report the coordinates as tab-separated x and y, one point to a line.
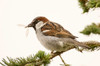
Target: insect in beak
27	30
21	25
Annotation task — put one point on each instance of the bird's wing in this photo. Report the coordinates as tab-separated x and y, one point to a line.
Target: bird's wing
56	30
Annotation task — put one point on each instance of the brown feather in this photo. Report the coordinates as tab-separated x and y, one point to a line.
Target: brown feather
56	30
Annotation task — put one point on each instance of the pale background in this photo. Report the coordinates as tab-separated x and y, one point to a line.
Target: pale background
14	43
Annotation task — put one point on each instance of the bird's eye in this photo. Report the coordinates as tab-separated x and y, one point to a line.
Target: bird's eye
37	21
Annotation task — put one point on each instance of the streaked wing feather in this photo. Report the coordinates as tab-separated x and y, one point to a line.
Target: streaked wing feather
56	30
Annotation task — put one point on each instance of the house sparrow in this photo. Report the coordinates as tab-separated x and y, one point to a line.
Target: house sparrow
53	36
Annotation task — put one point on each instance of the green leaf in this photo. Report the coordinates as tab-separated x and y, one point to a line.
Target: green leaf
91	29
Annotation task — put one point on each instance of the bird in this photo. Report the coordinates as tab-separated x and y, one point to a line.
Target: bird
53	36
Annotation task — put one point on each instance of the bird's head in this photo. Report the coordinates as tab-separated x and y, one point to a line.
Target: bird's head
37	22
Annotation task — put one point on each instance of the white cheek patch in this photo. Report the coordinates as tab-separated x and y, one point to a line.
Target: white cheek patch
45	31
40	24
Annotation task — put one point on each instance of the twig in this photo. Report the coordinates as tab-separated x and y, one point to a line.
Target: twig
62	60
58	53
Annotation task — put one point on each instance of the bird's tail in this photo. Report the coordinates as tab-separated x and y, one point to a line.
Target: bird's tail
88	46
80	46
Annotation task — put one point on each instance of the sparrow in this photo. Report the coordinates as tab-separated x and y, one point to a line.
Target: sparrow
53	36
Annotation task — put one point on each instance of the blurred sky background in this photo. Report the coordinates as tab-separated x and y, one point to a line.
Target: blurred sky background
14	43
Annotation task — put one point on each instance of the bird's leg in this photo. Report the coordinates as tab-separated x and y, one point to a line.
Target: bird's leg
63	61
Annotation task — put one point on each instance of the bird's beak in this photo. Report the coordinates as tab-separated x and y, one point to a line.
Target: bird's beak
29	25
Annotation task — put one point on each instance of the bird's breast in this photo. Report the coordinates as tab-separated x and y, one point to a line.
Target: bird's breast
53	43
